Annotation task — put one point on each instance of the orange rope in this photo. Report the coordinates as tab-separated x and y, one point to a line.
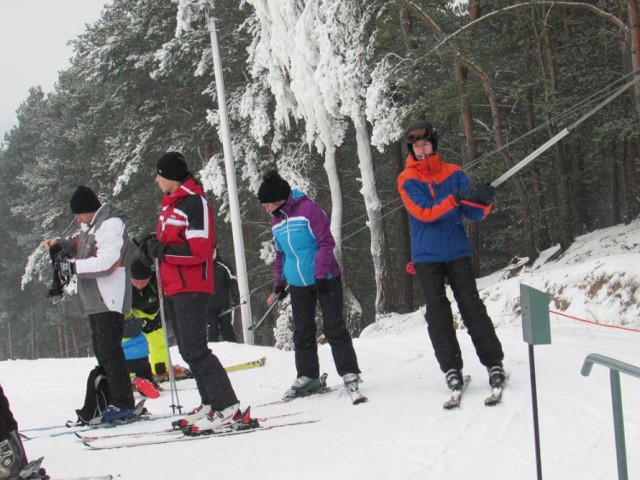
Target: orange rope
595	323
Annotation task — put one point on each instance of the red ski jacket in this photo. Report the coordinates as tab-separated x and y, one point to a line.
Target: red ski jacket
186	228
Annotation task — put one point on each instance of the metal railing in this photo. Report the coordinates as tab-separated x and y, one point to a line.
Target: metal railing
615	368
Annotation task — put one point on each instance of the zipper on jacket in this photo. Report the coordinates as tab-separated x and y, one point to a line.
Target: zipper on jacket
293	251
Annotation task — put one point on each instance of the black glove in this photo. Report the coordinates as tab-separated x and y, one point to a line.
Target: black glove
151	325
153	249
485	195
67	268
280	292
323	286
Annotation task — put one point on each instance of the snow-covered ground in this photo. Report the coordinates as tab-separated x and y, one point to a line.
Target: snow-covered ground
402	432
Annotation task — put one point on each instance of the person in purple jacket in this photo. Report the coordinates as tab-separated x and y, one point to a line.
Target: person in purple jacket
305	261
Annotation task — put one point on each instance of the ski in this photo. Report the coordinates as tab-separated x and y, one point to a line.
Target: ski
494	398
247	365
90	477
456	396
357	397
167	431
181	437
496	395
31	468
87	428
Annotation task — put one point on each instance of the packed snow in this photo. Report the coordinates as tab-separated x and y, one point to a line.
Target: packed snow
402	432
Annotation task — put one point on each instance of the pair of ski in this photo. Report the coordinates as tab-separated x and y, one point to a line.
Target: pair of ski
136	439
356	396
456	396
78	428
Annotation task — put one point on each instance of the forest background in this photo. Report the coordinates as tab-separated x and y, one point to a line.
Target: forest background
323	89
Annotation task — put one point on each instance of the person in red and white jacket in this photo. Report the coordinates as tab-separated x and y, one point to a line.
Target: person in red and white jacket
183	246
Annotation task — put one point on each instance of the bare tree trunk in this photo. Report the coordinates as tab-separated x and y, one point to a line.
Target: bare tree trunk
10	336
548	66
61	349
379	248
404	287
632	178
353	309
615	188
634	23
527	218
34	351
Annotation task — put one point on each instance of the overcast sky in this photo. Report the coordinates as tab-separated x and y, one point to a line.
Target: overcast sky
33	46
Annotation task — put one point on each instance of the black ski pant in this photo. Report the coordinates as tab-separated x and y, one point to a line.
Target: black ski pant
220	325
303	304
106	336
439	317
8	423
187	313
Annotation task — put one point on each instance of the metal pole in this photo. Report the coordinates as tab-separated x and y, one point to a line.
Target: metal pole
175	403
618	425
534	402
234	204
266	314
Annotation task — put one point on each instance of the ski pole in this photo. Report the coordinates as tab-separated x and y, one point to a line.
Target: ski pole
559	136
266	314
231	309
175	403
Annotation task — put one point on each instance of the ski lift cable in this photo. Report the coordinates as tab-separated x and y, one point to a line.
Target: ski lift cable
590	100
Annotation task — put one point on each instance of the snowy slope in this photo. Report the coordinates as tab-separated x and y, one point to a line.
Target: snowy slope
403	432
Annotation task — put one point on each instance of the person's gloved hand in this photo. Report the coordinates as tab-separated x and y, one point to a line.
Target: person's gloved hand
153	248
323	286
486	194
279	293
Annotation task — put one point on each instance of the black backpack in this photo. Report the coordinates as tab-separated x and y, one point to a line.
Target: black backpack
97	397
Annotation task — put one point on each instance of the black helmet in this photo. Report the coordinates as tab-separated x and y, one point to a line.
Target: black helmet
421	130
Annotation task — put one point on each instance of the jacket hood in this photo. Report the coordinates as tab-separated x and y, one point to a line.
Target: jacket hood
108	210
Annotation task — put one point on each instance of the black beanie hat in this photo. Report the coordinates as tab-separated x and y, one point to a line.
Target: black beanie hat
172	166
273	187
84	200
139	270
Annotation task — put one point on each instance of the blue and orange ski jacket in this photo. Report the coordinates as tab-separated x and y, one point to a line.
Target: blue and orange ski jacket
427	189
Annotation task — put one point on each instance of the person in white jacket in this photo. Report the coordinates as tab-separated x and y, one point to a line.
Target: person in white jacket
99	256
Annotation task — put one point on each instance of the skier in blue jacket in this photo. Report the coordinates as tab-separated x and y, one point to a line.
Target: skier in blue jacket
439	197
305	261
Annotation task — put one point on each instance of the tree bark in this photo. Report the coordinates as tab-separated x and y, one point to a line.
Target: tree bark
379	247
404	287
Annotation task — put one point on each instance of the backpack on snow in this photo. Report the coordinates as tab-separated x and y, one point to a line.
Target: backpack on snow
96	398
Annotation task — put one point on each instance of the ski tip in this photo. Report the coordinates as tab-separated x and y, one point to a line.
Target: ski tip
359	400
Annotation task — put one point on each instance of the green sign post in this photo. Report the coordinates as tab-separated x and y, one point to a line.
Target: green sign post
536	330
